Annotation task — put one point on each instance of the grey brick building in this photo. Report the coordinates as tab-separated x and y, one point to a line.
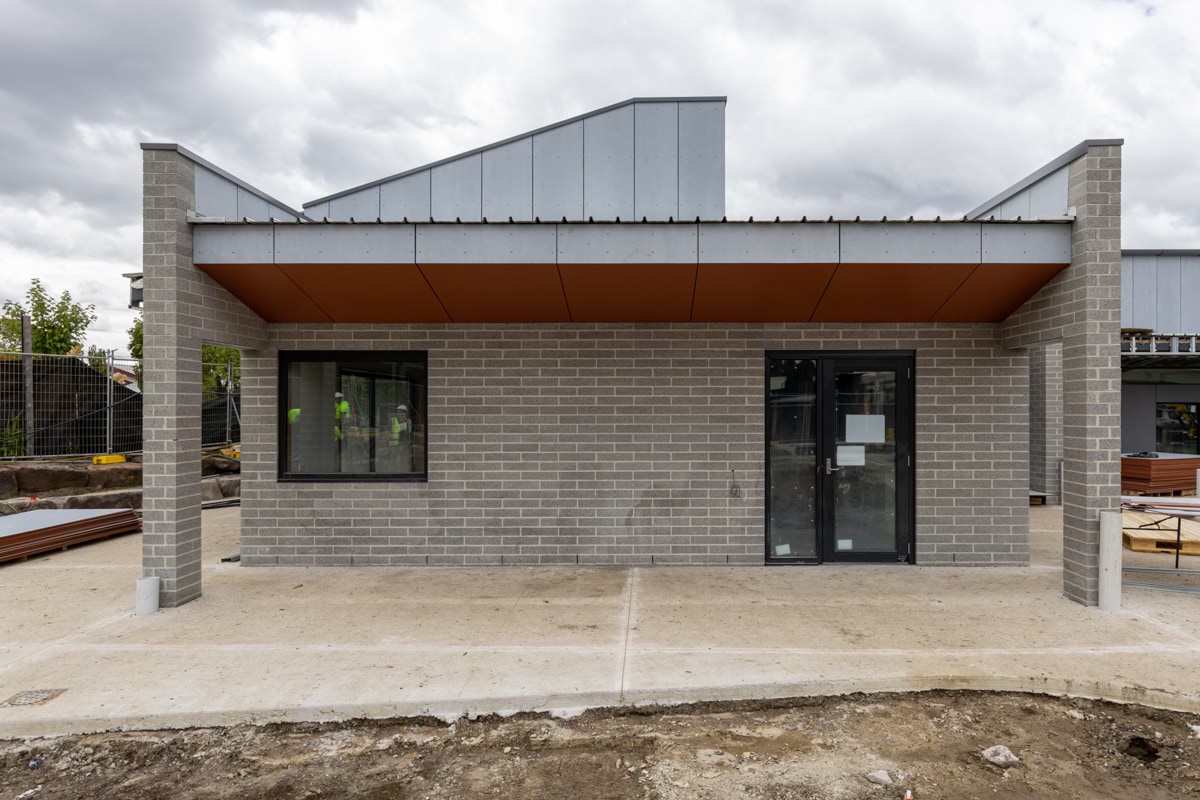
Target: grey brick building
556	350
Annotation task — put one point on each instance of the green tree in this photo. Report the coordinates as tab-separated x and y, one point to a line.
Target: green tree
59	324
214	358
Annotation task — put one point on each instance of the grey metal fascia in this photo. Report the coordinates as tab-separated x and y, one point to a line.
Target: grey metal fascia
1168	252
511	139
1035	176
183	151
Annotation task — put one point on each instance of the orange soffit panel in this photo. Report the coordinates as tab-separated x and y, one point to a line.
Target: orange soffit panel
368	292
629	292
995	291
759	292
499	292
889	292
266	291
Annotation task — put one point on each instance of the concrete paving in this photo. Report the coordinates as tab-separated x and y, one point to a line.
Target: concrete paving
330	643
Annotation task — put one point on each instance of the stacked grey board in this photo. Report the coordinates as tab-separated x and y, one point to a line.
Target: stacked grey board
32	532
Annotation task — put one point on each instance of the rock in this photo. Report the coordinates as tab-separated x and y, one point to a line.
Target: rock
231	485
210	490
118	498
879	777
212	465
1001	756
8	483
35	763
41	477
1075	713
114	476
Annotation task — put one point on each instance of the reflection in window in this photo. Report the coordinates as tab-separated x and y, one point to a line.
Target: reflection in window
353	415
1175	428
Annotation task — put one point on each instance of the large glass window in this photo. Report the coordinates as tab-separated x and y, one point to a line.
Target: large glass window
352	415
1175	428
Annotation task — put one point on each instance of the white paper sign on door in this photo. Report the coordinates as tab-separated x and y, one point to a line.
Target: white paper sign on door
852	456
865	428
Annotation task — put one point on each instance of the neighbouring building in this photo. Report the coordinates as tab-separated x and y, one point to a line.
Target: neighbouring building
556	349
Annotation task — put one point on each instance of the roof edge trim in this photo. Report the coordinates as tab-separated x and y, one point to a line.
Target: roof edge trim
183	151
1035	176
511	139
1164	252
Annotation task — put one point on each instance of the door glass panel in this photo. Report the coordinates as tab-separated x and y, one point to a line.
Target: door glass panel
865	453
792	438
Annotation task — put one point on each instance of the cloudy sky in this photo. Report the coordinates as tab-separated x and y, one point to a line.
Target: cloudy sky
838	108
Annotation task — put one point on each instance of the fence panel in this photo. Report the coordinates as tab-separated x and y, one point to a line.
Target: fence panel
87	405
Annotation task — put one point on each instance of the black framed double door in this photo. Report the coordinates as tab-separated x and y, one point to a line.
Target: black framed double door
839	433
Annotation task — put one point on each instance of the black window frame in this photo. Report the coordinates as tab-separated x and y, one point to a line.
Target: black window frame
289	357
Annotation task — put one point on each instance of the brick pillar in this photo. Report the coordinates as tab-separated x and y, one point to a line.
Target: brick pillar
1091	366
171	372
1045	420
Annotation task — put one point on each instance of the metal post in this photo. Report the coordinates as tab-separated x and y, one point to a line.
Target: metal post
1110	561
228	402
27	367
108	416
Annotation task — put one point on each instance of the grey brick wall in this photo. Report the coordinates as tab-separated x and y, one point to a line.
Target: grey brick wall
1081	308
183	308
1045	420
613	444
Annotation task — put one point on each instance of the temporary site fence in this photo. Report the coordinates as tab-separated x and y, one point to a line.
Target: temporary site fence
64	405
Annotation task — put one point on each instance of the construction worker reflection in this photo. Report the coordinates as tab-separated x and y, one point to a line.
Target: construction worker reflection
341	427
396	455
295	463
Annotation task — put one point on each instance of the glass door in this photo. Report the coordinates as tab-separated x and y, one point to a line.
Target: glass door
839	457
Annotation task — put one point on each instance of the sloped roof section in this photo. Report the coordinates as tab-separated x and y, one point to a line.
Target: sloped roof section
655	157
1041	193
221	194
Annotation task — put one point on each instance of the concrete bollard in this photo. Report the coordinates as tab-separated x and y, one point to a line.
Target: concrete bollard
147	595
1110	561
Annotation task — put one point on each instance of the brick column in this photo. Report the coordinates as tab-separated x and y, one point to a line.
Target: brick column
171	371
1045	420
1091	367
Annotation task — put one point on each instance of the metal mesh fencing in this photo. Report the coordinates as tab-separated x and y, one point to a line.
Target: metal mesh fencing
62	405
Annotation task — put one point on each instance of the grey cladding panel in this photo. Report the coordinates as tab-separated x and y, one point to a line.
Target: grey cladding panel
215	196
558	173
608	165
911	243
769	243
1145	292
318	212
456	189
362	205
508	181
1189	294
656	160
278	213
405	198
252	206
701	160
344	244
627	244
233	244
1026	244
1016	206
1048	197
1168	290
486	244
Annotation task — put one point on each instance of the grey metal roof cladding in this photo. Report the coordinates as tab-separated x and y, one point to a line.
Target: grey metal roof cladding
1035	176
183	151
805	220
1167	252
510	139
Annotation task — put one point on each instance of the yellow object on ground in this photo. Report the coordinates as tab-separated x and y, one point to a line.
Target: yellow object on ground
108	459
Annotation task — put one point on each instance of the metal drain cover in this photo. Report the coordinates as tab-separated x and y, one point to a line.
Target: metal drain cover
32	697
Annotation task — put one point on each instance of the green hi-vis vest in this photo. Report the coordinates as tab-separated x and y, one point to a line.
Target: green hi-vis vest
293	415
397	427
340	410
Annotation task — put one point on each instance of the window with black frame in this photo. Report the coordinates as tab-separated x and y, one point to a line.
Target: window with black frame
352	415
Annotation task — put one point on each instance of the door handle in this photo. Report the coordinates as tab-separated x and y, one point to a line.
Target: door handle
830	468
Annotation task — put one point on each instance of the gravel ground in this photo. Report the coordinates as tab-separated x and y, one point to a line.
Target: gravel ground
930	743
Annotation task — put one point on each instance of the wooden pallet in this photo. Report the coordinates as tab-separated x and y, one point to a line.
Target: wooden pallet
1149	540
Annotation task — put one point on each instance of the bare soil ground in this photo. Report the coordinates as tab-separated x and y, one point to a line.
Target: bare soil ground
779	750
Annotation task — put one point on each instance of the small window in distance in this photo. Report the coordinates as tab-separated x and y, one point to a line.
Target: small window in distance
357	415
1175	428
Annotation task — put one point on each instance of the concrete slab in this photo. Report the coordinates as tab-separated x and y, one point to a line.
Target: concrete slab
331	643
